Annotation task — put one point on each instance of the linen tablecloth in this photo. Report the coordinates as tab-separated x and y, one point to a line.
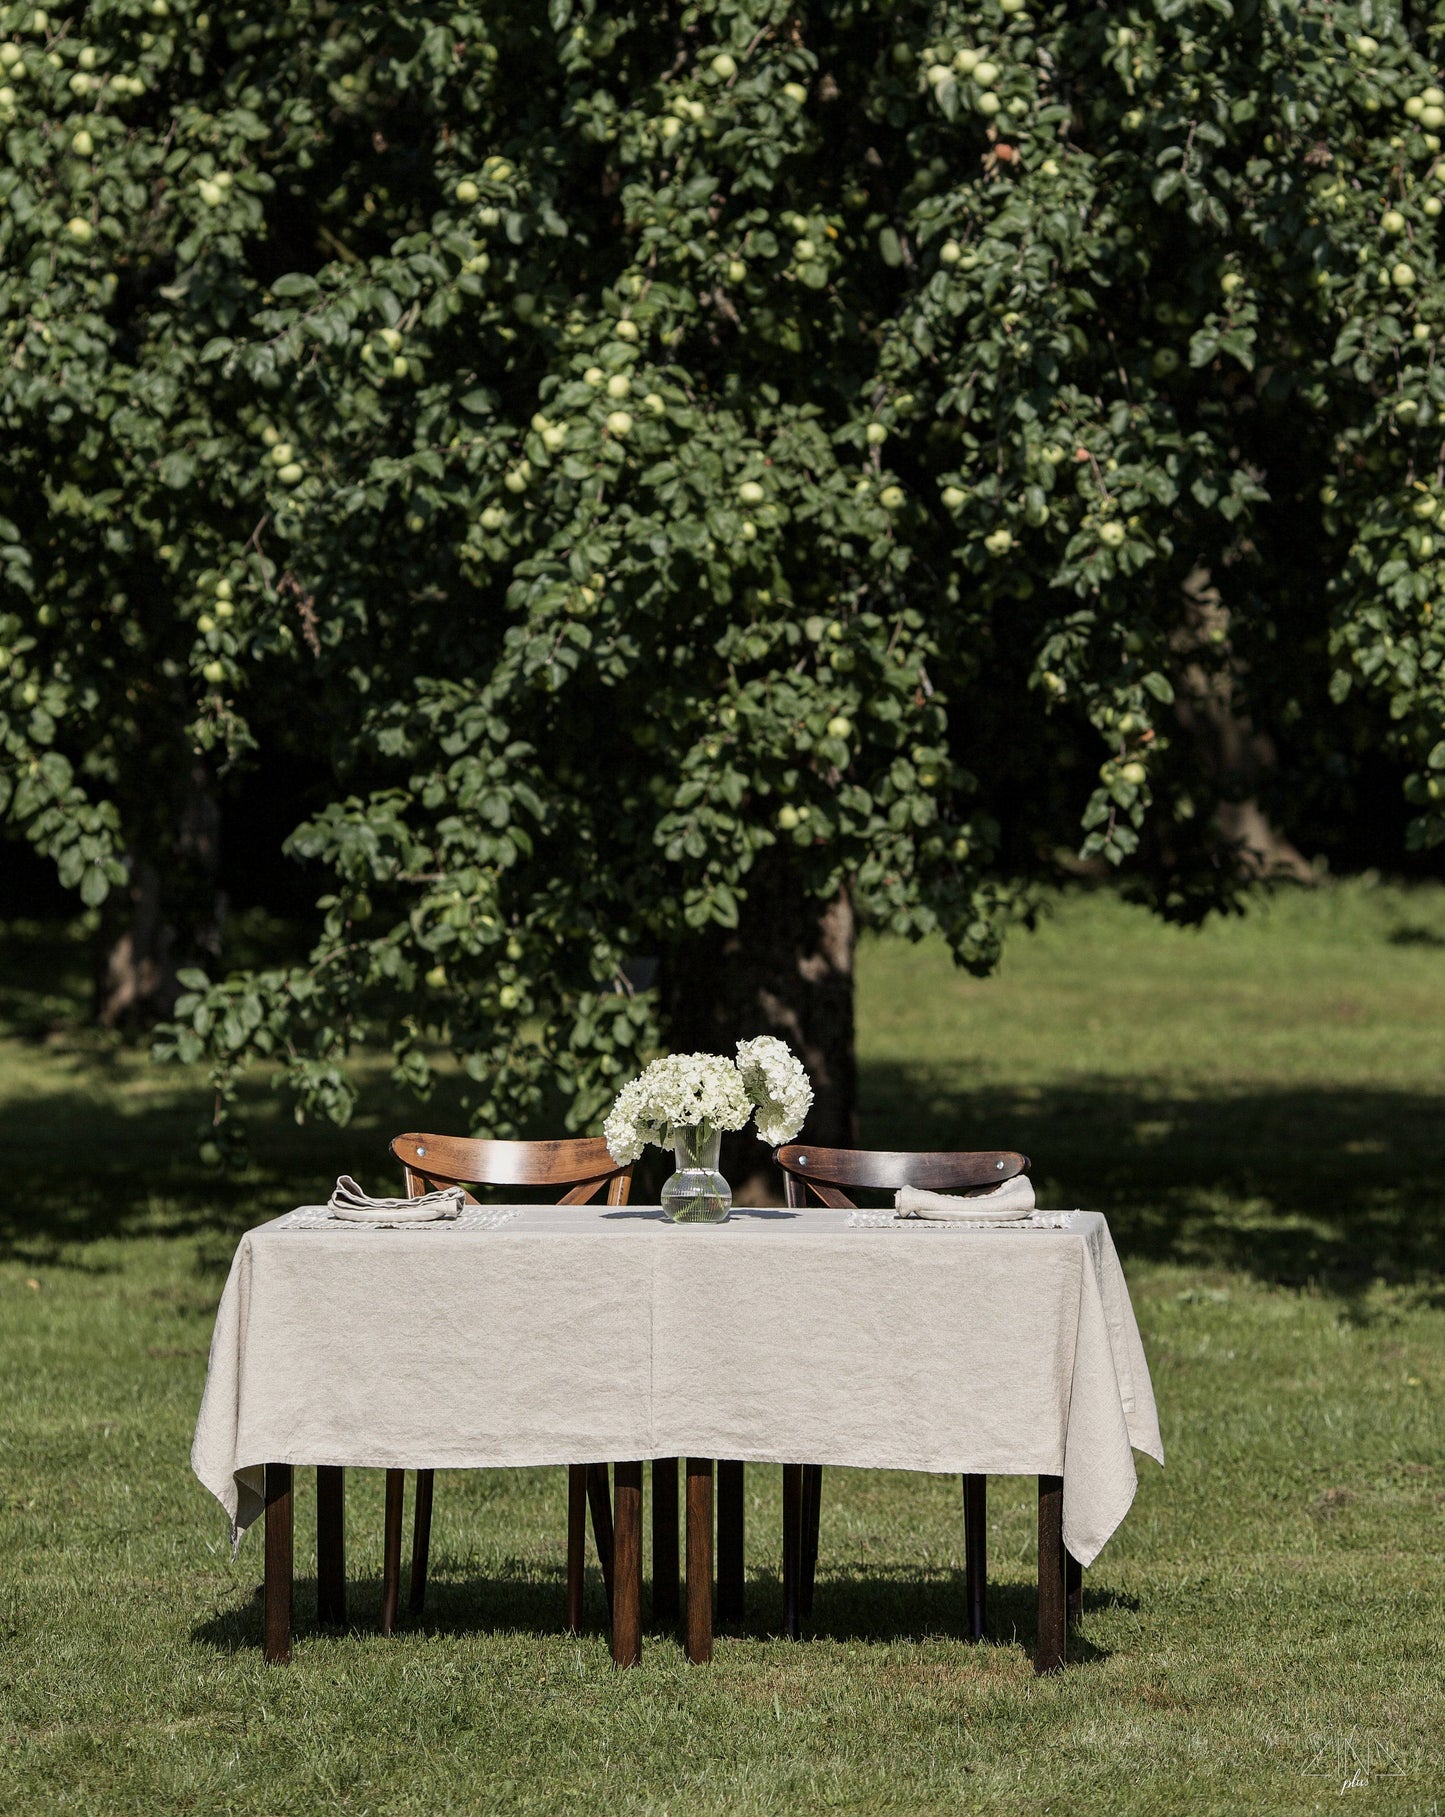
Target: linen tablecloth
577	1333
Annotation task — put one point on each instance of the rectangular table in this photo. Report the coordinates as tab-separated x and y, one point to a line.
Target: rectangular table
563	1333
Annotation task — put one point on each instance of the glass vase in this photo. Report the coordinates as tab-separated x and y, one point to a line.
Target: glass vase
697	1193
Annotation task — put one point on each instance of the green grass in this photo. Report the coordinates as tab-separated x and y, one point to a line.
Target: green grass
1258	1107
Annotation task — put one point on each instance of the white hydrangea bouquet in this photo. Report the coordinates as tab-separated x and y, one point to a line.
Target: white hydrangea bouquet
686	1101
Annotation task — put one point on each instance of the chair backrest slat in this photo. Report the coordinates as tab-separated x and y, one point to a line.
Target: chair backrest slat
580	1163
822	1171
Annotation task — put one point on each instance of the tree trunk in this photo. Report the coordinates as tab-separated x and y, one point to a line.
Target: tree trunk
136	961
1238	755
785	970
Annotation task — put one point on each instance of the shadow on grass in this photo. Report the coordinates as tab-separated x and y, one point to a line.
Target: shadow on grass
873	1607
1334	1187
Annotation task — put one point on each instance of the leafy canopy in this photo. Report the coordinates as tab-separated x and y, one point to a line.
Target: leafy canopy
643	447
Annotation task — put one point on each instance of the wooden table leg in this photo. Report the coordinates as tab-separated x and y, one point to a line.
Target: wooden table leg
1053	1631
730	1536
576	1543
391	1550
627	1564
1074	1585
664	1542
421	1542
975	1553
599	1496
280	1529
699	1560
331	1545
792	1548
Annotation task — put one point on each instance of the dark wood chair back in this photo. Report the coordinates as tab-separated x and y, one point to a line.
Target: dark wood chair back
822	1171
582	1164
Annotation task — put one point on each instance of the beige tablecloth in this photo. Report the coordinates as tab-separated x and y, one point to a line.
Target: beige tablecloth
571	1334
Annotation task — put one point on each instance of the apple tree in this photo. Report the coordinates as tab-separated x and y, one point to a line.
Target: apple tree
701	478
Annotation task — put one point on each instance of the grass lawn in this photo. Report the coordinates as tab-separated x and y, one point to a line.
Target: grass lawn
1258	1107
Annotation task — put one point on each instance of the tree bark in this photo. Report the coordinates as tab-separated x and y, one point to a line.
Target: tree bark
785	970
136	959
1238	755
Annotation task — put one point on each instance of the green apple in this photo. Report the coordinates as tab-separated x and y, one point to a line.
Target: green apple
750	492
1425	507
803	250
1010	6
987	103
1402	276
497	168
1049	168
214	672
839	726
10	55
1036	515
467	192
554	437
281	452
399	367
619	385
515	480
653	404
514	949
965	62
540	422
737	271
724	67
787	817
619	423
594	376
1133	121
508	997
205	624
1053	454
1135	773
211	193
1392	221
82	144
1112	534
954	498
891	498
950	252
223	588
748	530
1366	46
79	230
390	338
1407	410
1433	97
999	542
1432	118
1165	361
290	474
876	434
1231	282
669	128
1414	107
493	518
985	74
1431	206
436	978
224	609
626	331
1052	683
795	92
270	435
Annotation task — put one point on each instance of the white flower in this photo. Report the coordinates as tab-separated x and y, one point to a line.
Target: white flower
676	1092
774	1078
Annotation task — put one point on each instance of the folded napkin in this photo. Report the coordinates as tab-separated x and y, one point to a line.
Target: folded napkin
1001	1204
357	1207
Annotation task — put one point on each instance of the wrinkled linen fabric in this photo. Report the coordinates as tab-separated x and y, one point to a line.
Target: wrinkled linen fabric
1008	1200
349	1201
592	1333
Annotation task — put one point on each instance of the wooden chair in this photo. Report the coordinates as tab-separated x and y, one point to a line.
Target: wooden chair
823	1172
584	1167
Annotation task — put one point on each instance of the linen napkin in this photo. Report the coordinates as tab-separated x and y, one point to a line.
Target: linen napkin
1001	1204
357	1207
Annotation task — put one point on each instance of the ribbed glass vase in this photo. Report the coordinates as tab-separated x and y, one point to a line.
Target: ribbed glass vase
697	1193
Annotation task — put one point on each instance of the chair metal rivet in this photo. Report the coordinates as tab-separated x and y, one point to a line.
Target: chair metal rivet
997	1164
802	1160
420	1149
